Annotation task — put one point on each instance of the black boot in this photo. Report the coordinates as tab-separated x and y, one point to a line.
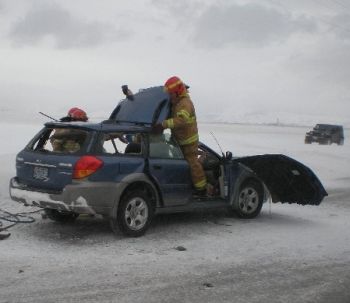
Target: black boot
200	193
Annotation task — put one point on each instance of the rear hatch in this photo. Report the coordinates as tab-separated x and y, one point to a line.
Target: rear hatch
45	172
47	162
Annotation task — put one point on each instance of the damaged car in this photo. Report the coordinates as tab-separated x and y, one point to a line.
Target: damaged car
121	170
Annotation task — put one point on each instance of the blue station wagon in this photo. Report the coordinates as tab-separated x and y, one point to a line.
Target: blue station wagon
121	170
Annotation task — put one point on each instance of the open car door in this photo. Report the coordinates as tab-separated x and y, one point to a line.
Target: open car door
287	179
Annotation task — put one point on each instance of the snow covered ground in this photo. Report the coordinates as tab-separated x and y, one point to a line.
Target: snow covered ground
290	253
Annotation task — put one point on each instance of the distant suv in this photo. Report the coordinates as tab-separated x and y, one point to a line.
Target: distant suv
325	134
121	170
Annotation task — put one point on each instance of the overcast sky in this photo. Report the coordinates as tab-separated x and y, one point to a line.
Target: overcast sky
239	57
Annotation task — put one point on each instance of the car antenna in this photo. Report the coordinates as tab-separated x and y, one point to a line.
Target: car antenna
48	116
217	142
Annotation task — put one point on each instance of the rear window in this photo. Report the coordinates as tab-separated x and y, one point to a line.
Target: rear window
60	140
328	128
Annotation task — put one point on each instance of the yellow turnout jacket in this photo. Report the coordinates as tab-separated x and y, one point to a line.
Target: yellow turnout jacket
183	122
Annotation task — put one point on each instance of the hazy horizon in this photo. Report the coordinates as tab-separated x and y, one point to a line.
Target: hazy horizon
241	58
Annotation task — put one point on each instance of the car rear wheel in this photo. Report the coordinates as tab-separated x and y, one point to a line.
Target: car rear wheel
135	213
60	216
250	200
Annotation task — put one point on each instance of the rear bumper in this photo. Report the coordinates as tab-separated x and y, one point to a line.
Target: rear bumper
84	197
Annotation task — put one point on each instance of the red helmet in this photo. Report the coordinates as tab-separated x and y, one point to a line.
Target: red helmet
174	85
77	114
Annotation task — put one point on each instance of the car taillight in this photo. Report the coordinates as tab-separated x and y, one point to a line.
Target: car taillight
86	166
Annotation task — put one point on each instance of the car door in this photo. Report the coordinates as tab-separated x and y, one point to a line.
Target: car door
170	170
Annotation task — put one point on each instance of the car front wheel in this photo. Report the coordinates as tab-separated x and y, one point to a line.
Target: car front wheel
134	215
249	201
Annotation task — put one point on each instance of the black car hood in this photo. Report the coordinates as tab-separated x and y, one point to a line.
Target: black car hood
148	106
287	179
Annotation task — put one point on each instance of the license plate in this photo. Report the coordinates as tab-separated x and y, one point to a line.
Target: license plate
40	173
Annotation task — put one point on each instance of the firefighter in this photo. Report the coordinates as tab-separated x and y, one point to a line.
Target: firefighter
68	140
183	126
75	114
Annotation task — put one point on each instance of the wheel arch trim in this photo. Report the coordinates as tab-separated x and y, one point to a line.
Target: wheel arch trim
134	181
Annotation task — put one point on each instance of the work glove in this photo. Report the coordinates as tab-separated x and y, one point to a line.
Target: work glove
157	128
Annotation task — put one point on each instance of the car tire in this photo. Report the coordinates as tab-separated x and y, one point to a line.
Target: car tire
60	216
135	213
249	200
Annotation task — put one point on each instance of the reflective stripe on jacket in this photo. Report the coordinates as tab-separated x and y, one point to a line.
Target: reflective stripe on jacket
183	122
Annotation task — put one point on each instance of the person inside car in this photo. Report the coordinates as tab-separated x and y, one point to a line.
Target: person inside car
67	140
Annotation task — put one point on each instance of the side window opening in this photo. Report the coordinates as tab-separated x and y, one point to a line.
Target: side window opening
165	147
122	143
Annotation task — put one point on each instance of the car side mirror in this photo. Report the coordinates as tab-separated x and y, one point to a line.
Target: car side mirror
228	155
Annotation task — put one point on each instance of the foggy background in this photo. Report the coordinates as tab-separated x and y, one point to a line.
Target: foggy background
266	61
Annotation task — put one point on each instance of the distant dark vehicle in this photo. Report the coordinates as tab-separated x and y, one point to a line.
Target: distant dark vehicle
325	134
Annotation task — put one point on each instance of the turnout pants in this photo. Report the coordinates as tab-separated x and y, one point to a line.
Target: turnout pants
190	152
